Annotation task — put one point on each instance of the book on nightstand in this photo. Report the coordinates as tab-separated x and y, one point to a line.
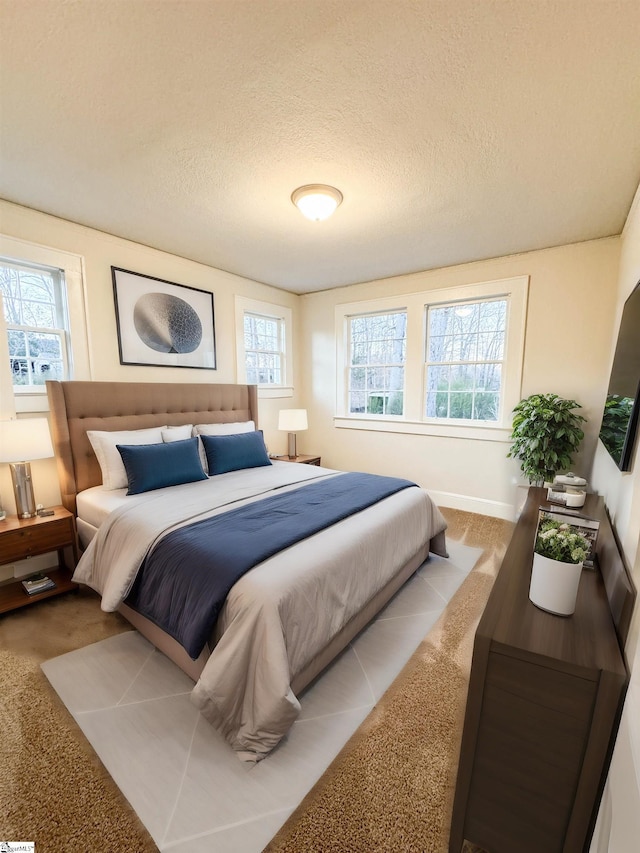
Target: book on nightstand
38	583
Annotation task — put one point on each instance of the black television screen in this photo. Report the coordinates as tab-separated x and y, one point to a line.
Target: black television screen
622	406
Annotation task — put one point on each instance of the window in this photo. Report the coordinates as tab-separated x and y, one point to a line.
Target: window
36	320
464	360
263	335
264	349
46	334
377	348
448	362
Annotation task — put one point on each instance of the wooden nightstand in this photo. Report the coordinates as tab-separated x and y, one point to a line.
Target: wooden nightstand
23	538
302	458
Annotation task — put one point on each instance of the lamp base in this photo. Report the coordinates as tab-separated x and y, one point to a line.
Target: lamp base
292	445
23	489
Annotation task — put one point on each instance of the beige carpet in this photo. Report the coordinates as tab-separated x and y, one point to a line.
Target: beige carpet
390	789
53	789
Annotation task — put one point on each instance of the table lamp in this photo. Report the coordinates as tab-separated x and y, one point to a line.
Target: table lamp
293	421
20	440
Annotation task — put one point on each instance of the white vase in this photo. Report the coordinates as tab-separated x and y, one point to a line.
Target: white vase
554	585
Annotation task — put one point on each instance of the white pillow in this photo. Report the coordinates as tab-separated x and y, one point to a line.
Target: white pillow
219	429
104	443
224	429
177	433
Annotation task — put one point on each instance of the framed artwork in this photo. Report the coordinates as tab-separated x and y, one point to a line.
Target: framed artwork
161	323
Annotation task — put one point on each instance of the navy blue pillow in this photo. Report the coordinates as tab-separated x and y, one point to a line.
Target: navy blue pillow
154	466
233	452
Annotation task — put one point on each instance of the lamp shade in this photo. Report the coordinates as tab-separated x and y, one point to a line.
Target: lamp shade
292	420
24	440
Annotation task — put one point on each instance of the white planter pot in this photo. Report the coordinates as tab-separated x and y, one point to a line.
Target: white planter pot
554	585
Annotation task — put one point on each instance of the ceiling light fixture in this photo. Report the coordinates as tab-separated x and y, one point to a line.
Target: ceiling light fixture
316	201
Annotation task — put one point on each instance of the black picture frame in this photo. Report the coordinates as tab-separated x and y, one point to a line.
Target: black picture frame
163	324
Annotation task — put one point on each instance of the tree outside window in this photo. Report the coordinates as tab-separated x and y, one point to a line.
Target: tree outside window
464	360
264	349
377	352
35	316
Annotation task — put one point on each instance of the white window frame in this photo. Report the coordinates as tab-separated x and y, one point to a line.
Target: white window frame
244	305
16	251
349	365
414	421
428	363
60	331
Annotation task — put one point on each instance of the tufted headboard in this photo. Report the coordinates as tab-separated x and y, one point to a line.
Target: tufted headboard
79	406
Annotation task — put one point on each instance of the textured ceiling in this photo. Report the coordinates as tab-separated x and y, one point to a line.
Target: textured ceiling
456	129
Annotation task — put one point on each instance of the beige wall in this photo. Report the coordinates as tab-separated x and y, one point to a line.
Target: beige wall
101	251
618	825
572	300
621	490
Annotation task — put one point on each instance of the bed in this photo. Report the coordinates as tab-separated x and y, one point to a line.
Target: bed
284	620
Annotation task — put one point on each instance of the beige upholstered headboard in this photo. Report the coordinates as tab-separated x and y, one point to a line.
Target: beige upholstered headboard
79	406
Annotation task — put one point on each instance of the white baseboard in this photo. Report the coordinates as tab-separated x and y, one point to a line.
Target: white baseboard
496	509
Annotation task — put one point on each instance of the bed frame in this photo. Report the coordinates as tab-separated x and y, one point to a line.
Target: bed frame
80	406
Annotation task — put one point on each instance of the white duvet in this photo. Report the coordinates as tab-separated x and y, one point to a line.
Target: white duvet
279	615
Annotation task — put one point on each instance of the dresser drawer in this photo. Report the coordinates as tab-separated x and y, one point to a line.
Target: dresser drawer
36	539
559	691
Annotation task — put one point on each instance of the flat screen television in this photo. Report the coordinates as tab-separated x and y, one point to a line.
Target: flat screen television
622	406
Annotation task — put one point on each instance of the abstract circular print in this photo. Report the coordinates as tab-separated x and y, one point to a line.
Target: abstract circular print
167	324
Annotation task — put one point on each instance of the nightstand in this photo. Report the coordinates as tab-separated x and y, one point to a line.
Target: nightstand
302	458
22	538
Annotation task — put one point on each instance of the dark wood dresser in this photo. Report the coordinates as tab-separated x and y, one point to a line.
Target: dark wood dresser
544	702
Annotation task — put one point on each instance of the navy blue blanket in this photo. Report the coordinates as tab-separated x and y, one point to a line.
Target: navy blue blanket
184	581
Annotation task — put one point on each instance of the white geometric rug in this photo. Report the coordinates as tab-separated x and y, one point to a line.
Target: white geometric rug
183	780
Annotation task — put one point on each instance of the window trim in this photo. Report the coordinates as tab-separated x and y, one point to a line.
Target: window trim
17	251
429	363
62	316
244	305
279	352
514	288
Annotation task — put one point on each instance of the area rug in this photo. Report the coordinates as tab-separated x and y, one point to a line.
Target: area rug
185	784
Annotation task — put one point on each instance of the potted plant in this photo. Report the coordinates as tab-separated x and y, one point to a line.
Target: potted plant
545	433
557	565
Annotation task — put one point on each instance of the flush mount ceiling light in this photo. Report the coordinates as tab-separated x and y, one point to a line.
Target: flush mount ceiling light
316	201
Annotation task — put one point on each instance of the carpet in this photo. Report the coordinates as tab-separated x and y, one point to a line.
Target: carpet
55	790
184	782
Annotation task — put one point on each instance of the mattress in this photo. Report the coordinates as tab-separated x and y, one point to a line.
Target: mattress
96	504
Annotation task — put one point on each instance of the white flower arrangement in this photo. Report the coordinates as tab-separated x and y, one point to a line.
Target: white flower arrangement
561	541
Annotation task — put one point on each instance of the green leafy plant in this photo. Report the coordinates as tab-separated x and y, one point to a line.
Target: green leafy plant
559	541
545	433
